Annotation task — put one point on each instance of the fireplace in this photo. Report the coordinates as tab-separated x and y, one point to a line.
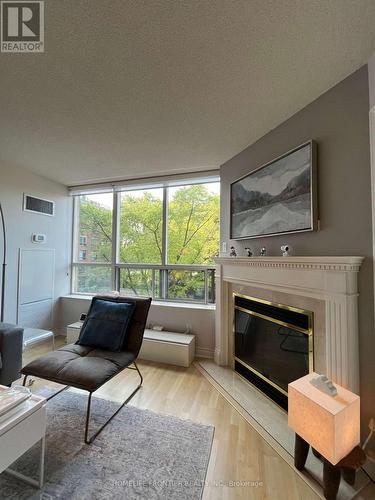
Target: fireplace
273	345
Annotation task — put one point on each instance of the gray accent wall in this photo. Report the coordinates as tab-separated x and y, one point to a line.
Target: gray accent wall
15	181
339	122
371	74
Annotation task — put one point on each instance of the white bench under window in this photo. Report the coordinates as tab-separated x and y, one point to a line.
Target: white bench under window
163	347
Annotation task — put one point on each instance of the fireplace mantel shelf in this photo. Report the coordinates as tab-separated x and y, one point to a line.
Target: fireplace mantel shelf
339	263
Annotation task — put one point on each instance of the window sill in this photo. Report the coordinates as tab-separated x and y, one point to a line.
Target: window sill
177	305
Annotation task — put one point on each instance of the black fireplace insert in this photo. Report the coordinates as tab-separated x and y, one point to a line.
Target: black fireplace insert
273	345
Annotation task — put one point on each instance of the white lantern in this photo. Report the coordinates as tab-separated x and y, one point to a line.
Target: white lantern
331	425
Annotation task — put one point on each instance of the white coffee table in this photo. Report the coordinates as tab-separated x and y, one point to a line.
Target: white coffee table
24	427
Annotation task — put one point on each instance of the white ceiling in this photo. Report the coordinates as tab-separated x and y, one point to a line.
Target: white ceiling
143	87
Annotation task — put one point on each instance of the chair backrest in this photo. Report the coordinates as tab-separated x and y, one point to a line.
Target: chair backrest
134	336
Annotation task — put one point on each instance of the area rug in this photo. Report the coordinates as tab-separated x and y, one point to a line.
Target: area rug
139	455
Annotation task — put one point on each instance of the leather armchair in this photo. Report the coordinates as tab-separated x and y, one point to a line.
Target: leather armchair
11	343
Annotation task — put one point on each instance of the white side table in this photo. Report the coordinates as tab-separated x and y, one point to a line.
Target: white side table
24	427
34	335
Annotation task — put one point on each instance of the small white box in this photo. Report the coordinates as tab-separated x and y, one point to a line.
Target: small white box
168	347
73	331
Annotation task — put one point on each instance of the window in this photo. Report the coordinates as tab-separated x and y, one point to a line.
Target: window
82	255
159	241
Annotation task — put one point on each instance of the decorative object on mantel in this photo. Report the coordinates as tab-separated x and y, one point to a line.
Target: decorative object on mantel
249	252
285	250
277	198
233	252
331	426
263	252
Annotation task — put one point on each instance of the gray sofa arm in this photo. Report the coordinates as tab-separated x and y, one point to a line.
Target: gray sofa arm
11	340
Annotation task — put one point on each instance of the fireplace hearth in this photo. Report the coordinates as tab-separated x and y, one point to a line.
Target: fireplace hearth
273	345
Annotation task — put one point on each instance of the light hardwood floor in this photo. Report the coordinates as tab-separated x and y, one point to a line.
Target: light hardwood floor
239	453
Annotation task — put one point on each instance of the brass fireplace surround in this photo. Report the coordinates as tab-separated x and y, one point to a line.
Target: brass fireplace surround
308	331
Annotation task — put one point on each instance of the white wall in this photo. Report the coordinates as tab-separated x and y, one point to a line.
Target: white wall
20	225
172	317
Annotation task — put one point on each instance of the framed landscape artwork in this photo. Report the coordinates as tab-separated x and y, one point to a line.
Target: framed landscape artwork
277	198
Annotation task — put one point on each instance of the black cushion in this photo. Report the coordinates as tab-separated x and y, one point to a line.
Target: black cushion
106	324
79	366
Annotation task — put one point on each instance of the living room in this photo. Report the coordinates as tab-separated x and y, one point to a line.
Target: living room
187	244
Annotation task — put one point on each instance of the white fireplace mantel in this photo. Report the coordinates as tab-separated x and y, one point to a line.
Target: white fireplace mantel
330	279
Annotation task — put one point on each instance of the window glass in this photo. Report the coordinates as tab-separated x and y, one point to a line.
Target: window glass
136	282
193	224
91	279
95	227
186	285
141	226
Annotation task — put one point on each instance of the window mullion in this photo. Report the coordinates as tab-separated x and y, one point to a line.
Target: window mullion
75	240
75	232
165	228
164	246
115	238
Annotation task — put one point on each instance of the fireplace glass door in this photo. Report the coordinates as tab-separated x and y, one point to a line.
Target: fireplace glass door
273	345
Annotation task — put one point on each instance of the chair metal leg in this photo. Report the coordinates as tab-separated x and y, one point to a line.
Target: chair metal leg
58	392
30	382
89	440
139	373
54	394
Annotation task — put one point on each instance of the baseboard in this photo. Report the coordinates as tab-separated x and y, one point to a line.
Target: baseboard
204	352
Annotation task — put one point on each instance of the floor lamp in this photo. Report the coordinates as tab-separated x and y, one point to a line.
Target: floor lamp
4	265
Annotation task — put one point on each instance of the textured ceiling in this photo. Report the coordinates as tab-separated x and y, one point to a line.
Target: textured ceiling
145	87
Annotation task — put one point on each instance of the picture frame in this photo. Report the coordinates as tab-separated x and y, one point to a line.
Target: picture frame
279	197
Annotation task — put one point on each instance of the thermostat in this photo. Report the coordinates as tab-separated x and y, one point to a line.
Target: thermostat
38	238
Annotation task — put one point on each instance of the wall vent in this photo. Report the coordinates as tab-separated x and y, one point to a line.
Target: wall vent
38	205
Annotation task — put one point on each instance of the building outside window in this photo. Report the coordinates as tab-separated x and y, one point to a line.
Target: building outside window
82	254
83	240
158	241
